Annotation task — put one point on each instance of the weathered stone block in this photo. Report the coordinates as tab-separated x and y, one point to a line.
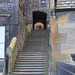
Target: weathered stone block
58	38
66	46
66	25
56	47
70	37
66	30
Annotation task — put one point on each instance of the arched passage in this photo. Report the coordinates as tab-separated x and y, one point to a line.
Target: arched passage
39	17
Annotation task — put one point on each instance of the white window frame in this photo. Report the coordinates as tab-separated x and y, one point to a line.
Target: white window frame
2	41
42	2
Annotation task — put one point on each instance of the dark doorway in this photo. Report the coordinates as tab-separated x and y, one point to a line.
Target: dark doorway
39	16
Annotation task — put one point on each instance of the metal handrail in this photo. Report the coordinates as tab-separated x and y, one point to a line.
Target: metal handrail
67	71
9	52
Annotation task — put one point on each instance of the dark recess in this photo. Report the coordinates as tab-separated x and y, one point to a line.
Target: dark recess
39	17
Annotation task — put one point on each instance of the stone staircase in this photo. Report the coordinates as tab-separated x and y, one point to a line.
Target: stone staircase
33	59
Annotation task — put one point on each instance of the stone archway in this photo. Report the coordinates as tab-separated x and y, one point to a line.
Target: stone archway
39	20
39	26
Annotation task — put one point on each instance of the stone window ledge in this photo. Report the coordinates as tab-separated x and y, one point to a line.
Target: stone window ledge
63	10
5	15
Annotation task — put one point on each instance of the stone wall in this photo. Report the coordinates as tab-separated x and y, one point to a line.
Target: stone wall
21	25
62	4
14	25
21	31
62	37
30	7
9	7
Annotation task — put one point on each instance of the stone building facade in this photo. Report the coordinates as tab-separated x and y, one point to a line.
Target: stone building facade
14	14
12	17
32	6
62	33
8	18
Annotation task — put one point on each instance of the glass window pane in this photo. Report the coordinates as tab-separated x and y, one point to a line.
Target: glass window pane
2	41
43	2
2	34
1	50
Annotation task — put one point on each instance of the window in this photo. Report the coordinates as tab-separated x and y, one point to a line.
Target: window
43	3
2	41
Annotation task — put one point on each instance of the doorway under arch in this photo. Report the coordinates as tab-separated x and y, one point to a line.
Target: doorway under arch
39	20
38	26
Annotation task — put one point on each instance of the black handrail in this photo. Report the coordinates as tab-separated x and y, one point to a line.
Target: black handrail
73	57
67	69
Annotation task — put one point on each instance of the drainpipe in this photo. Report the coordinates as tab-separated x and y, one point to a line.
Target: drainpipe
52	14
48	27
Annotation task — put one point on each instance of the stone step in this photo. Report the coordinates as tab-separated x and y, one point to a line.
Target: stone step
37	34
38	37
33	50
30	60
34	43
39	31
29	67
20	54
31	56
32	63
30	73
23	58
36	40
26	53
29	70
